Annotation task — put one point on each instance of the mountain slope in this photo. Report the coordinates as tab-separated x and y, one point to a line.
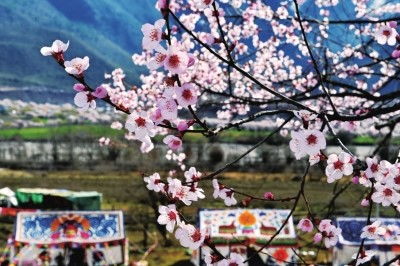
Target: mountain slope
107	31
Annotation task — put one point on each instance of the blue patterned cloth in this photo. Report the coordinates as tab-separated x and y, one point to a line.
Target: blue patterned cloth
352	228
74	227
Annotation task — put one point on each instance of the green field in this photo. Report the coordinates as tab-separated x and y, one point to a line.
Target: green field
126	191
95	131
59	132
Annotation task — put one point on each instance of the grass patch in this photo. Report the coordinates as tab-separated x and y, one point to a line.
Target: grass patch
365	140
95	131
59	132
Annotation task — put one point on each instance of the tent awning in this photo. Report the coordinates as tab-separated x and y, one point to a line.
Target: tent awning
43	198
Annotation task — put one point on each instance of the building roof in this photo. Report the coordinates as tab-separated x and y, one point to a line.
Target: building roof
55	227
236	225
352	228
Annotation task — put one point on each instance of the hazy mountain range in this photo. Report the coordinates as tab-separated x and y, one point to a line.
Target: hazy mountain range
108	31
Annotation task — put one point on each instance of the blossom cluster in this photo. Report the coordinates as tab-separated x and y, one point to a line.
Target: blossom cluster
326	231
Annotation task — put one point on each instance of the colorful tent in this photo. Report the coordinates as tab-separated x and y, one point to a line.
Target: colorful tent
349	241
245	230
84	237
58	199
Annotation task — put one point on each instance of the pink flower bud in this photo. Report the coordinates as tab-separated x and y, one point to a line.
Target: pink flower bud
355	179
210	40
192	60
317	237
365	203
393	24
182	126
396	54
100	92
162	4
269	196
79	87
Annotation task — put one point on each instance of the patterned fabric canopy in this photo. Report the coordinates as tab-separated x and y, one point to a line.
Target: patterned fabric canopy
236	224
352	228
69	227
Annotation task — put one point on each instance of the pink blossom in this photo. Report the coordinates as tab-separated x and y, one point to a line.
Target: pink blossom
77	65
305	115
217	188
147	145
156	116
386	35
169	217
373	231
394	177
372	167
140	124
338	165
224	193
392	232
364	180
168	108
385	195
192	175
202	4
176	61
364	202
314	159
85	100
103	141
392	24
329	232
386	172
186	95
181	192
190	236
157	60
305	225
154	182
58	47
152	34
363	257
228	196
174	143
209	39
116	125
307	142
234	259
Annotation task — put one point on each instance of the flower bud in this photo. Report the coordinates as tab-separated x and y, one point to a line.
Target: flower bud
317	237
269	196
